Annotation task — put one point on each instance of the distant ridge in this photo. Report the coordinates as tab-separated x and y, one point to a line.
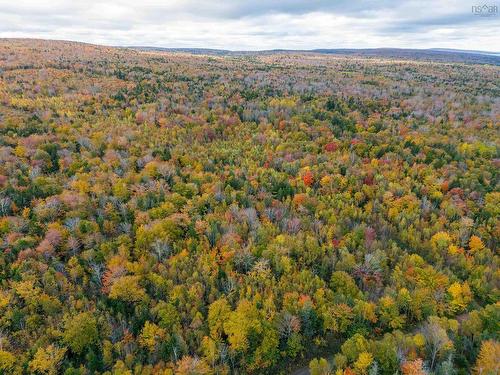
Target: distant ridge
466	51
433	54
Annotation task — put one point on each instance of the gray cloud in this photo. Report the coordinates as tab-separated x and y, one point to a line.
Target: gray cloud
455	21
257	24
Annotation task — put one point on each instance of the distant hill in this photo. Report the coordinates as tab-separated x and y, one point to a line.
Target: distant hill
435	54
466	51
195	51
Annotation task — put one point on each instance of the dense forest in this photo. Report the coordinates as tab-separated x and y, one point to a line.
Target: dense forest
170	213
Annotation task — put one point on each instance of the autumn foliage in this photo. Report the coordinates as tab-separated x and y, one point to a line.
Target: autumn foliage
170	213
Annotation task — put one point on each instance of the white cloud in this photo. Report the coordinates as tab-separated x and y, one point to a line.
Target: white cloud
253	25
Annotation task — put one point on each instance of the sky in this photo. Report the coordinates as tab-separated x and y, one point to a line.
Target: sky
257	24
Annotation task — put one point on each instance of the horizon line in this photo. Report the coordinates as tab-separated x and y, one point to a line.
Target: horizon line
138	46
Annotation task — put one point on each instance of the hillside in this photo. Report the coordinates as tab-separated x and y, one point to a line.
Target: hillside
430	55
167	212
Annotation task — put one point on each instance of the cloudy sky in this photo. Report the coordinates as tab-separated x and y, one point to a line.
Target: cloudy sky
256	24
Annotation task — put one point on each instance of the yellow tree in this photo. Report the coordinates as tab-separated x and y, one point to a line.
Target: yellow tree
363	362
151	336
460	296
241	323
475	244
7	362
487	362
47	360
217	315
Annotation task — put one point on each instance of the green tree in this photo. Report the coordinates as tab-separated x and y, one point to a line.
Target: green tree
319	366
80	332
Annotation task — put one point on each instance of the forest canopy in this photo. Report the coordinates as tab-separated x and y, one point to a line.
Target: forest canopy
169	213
